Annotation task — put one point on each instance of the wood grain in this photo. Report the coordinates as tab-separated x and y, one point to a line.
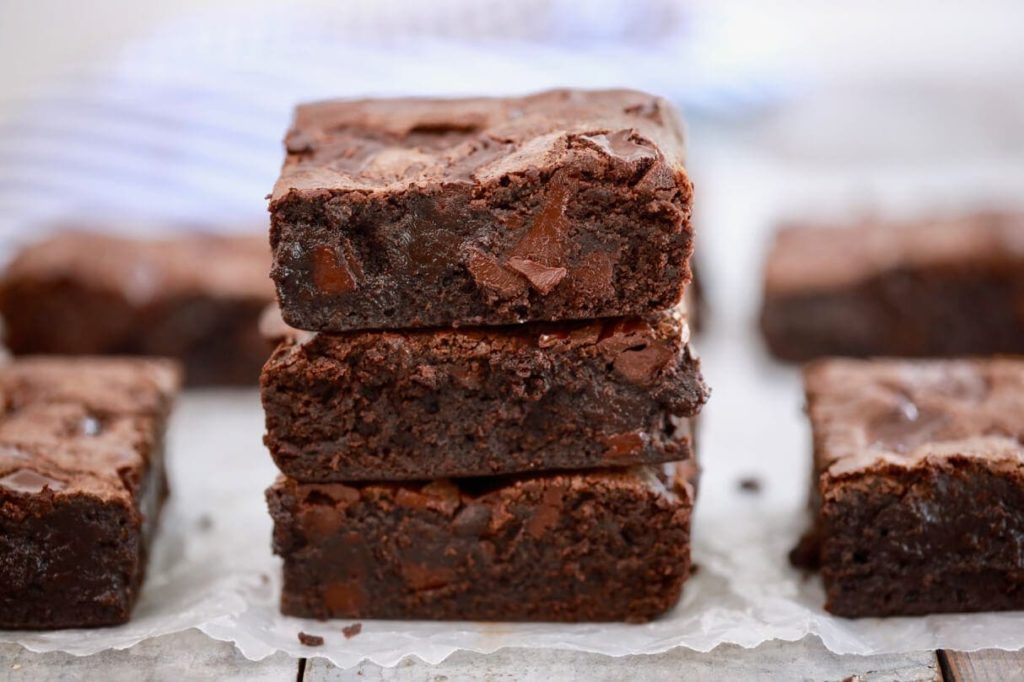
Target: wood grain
990	665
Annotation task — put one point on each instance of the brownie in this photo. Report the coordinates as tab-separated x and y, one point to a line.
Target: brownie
606	545
919	499
953	286
196	297
476	401
399	213
82	483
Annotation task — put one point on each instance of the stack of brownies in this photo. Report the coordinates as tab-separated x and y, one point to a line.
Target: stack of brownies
488	415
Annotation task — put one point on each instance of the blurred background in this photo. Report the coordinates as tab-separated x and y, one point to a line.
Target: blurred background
147	116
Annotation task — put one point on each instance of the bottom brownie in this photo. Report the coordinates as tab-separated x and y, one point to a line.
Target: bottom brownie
607	545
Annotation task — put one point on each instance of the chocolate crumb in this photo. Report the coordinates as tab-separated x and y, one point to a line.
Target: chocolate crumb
694	569
311	640
750	484
351	631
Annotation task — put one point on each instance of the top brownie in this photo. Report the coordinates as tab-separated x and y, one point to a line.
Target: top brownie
400	213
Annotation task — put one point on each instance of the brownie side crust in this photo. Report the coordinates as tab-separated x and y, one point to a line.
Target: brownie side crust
606	545
418	213
422	404
920	496
941	288
194	297
82	482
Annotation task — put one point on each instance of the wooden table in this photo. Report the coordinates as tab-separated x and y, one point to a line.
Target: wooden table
190	655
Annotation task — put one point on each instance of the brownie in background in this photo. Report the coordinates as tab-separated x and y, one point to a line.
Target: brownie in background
476	401
400	213
82	483
604	545
952	286
195	297
919	495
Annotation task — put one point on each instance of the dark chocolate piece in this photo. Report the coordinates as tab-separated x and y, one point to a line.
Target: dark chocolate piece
81	486
920	485
194	297
399	213
606	545
422	404
941	288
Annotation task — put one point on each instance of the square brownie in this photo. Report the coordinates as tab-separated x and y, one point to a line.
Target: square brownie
196	297
920	485
82	483
398	213
944	287
605	545
479	401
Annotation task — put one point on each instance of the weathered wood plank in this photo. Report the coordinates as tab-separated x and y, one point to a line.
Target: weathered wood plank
188	655
990	665
804	660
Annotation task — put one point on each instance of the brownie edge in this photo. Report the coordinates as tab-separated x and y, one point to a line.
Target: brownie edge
609	545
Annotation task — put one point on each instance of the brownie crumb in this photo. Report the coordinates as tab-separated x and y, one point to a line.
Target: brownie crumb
750	484
351	631
311	640
694	568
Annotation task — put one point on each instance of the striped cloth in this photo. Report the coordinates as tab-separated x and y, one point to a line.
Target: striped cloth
185	125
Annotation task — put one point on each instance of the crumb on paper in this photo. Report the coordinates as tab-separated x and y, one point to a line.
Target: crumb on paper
264	579
351	631
205	522
311	640
750	484
694	568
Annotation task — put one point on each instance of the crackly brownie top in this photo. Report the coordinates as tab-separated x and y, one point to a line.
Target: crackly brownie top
143	270
382	144
81	425
868	412
809	257
637	348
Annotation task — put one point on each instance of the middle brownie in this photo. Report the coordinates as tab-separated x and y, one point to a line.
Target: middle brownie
422	404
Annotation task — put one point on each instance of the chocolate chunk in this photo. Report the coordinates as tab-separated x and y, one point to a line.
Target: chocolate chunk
310	640
543	278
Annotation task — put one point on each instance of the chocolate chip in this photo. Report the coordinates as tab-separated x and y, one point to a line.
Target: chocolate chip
351	631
